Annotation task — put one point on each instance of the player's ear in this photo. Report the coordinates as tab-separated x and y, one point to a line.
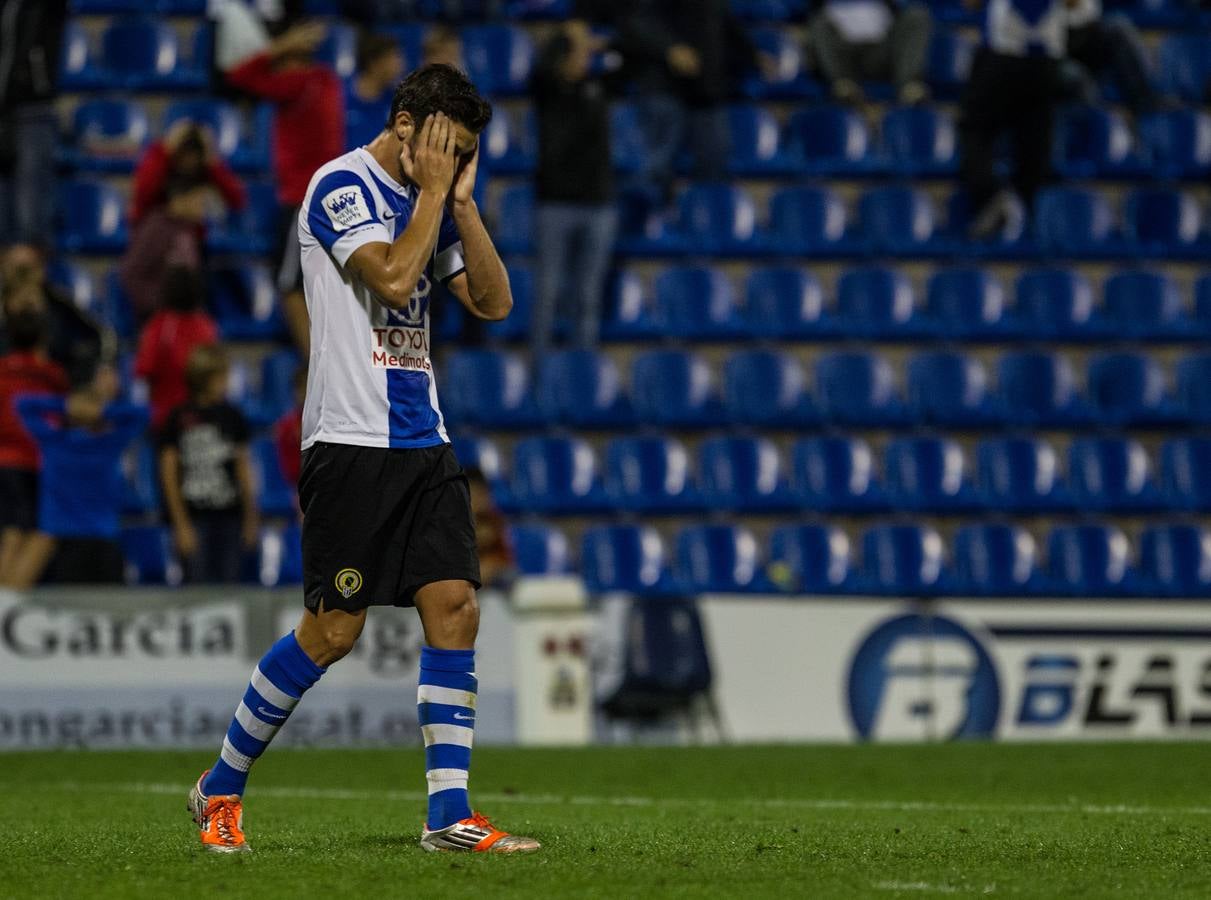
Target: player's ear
404	125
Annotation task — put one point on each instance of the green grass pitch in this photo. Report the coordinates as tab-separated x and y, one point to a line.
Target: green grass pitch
1085	820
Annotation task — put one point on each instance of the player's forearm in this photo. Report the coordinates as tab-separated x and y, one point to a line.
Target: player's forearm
487	278
408	256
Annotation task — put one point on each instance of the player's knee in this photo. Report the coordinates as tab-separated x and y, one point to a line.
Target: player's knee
337	641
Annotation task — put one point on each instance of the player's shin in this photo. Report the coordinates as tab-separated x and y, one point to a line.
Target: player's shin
446	711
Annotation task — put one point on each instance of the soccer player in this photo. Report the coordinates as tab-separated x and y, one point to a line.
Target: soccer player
386	510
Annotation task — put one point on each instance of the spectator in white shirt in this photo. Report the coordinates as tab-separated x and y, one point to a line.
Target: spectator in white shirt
872	40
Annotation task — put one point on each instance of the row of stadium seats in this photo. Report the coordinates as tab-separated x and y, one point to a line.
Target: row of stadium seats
675	388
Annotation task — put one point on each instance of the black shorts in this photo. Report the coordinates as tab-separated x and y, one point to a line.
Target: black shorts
18	499
380	524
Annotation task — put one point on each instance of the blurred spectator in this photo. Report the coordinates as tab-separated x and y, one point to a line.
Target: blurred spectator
206	475
1110	46
75	340
173	187
496	563
288	433
82	440
1013	90
26	369
442	44
577	220
308	131
872	40
169	339
31	32
380	65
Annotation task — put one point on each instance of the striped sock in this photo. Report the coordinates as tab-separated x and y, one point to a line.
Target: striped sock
278	681
446	709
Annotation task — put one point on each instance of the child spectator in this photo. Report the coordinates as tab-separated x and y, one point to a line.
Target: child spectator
288	433
168	340
82	439
206	475
368	93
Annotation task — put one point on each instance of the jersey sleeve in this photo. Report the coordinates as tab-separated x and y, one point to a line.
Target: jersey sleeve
448	255
342	217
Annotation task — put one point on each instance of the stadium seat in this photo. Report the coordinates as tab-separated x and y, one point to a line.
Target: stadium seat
1092	142
1178	143
108	135
582	388
966	303
1037	388
1073	221
674	388
649	474
1089	561
252	229
1161	222
516	326
483	454
627	147
1055	304
828	140
281	556
1140	305
857	388
97	223
555	475
1201	324
221	118
1111	474
948	388
950	56
805	219
1019	475
766	388
339	49
1184	65
899	220
77	283
741	473
718	559
810	559
630	314
995	560
695	302
789	79
1175	560
919	140
755	148
77	66
716	218
147	550
1127	389
141	479
627	558
784	303
835	474
245	303
903	560
510	148
517	209
144	54
1193	394
274	493
876	302
114	307
488	388
498	57
926	475
540	550
275	394
1186	473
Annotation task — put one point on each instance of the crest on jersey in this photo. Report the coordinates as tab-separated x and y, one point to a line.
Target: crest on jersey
346	207
348	582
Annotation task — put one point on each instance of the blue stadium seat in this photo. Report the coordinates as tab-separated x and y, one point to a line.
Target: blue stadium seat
516	326
281	556
920	140
1202	306
498	57
582	388
517	209
877	302
806	219
766	388
115	308
108	135
1186	473
926	474
483	454
77	67
630	313
741	473
627	147
649	474
768	10
141	477
1175	560
78	283
1035	387
276	394
995	560
1193	394
540	549
857	388
252	229
950	56
220	117
274	493
756	142
835	474
784	303
244	300
1089	561
627	558
1127	389
1092	142
790	78
899	220
510	148
1073	220
903	560
148	553
339	49
948	388
718	559
716	218
674	388
828	140
1178	143
1019	475
810	559
696	302
97	223
966	303
1162	222
144	54
1055	304
488	388
555	475
1139	304
1184	65
1111	474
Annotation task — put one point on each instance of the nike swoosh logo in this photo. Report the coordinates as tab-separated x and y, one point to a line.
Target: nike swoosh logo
265	712
464	718
389	216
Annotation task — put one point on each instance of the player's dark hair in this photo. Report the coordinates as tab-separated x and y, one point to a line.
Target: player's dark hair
372	47
441	88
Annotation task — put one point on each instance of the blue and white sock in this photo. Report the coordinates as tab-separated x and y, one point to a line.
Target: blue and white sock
278	681
445	706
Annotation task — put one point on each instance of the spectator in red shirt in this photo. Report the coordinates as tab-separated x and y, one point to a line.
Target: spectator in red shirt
308	131
25	370
169	338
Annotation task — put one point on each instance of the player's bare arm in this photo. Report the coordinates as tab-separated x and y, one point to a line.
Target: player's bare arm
484	287
392	270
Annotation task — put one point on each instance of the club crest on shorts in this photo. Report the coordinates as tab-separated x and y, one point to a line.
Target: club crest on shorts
348	582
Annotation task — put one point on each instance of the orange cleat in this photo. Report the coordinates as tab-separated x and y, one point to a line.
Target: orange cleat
221	820
475	835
